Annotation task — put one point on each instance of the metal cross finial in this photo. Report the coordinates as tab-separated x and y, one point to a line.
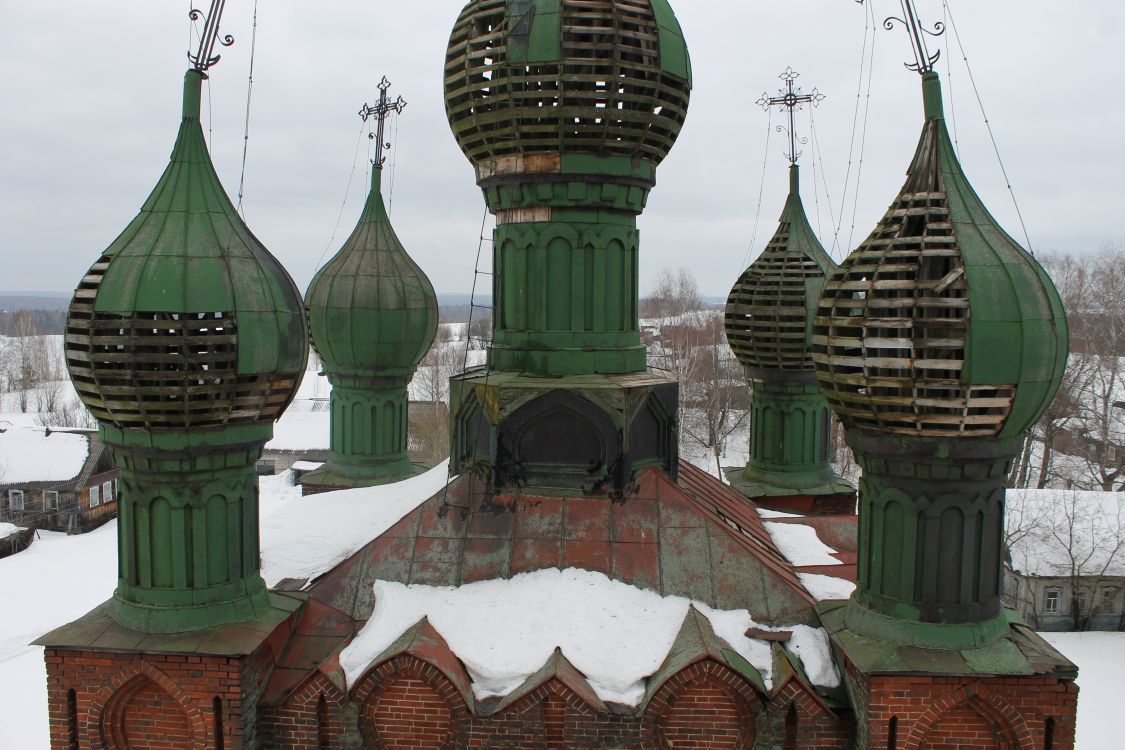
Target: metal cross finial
206	57
382	110
923	60
791	98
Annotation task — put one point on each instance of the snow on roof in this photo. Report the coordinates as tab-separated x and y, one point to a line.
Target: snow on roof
306	465
1066	532
617	635
7	529
41	455
309	536
801	545
826	588
305	426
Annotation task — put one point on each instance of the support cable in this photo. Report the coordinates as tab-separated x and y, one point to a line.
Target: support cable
988	124
868	31
347	193
249	98
761	192
949	87
818	156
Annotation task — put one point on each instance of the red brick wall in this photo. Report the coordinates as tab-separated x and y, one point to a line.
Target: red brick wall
311	718
703	707
811	726
150	719
407	703
121	696
938	713
963	728
408	714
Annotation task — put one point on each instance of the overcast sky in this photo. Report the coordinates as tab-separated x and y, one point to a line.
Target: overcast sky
93	103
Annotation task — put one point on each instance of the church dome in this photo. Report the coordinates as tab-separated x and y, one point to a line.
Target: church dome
186	320
569	76
372	310
940	324
770	309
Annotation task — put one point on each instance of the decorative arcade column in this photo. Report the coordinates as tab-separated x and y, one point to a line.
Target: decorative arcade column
373	315
565	111
939	342
769	327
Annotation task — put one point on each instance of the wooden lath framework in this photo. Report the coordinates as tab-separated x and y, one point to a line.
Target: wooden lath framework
890	332
608	95
767	312
164	370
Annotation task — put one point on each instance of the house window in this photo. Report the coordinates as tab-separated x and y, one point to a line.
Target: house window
50	499
95	496
1083	600
1111	454
1051	603
108	495
15	499
1108	595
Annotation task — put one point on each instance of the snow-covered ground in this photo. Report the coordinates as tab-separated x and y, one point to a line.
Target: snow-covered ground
56	580
1101	663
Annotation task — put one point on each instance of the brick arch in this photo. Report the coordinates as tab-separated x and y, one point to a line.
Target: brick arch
108	713
408	703
688	710
1010	728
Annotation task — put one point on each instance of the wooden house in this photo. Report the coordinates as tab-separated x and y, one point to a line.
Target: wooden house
56	479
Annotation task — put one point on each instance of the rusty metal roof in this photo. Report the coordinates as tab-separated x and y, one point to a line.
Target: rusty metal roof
694	538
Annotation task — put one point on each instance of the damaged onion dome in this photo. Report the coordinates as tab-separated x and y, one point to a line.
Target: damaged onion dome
586	76
186	321
939	324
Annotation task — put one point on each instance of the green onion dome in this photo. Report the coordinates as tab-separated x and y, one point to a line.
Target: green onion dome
372	310
940	324
570	76
187	321
770	310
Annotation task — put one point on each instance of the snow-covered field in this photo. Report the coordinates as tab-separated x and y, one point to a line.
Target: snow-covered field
1101	662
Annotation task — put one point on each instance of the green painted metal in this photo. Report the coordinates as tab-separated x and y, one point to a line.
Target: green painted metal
566	162
790	425
938	342
186	340
565	109
768	324
373	315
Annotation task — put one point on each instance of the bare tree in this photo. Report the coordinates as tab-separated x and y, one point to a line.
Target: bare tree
445	359
715	401
1078	536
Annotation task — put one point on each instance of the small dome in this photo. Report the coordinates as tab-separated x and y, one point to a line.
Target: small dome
770	310
186	321
544	76
940	324
372	310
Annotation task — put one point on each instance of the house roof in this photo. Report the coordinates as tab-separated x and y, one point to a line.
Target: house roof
39	454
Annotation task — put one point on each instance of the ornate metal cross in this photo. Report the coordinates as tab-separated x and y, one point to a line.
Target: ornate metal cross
791	98
923	60
206	57
382	110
